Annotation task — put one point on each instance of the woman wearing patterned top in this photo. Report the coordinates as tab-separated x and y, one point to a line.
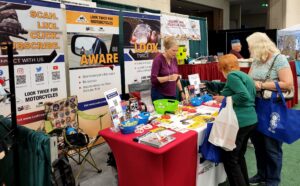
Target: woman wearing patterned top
268	151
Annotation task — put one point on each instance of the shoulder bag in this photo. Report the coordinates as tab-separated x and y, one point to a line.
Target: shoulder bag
276	120
267	94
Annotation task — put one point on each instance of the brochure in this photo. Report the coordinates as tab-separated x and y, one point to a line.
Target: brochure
194	79
114	103
158	138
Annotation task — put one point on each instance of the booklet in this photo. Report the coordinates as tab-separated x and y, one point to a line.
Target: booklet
157	139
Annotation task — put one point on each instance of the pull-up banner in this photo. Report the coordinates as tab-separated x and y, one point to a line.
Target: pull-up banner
93	37
36	30
141	45
180	26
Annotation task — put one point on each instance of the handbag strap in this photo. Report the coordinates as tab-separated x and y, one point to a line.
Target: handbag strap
274	94
269	72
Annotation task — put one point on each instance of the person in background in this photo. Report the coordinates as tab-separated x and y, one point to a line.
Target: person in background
164	72
242	90
268	151
236	48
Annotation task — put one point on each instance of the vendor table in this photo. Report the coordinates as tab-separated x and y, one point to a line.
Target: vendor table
210	72
139	164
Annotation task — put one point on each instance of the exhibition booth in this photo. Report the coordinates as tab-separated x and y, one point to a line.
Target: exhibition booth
66	69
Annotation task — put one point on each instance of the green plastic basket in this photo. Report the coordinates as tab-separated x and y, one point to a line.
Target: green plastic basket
165	105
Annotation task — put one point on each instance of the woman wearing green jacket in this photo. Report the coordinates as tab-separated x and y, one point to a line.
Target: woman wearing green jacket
242	90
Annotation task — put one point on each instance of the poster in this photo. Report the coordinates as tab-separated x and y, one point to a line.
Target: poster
141	45
36	32
195	32
180	26
93	37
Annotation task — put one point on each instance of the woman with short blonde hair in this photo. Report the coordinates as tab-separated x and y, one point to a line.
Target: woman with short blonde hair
267	61
164	73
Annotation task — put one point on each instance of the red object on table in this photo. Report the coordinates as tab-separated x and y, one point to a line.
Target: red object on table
210	72
138	164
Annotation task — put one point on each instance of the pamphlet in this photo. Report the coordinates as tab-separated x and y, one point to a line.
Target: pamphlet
114	103
157	138
194	79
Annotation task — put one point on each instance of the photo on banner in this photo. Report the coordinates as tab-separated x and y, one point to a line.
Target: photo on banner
141	45
93	38
36	31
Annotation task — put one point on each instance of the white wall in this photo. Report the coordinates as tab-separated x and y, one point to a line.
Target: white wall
162	5
292	13
221	4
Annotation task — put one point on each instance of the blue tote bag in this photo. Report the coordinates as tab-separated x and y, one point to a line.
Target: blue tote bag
209	151
276	120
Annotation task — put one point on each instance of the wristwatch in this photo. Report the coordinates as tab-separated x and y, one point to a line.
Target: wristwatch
181	91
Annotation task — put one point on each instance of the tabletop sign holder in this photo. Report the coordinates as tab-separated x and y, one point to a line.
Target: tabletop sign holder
194	79
114	103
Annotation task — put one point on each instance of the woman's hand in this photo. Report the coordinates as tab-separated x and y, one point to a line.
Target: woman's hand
258	85
173	77
219	99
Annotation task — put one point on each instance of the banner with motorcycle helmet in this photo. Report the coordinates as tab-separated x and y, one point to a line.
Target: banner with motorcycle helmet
141	45
35	28
93	38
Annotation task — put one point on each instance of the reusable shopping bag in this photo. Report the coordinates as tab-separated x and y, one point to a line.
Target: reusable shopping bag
276	120
209	151
225	127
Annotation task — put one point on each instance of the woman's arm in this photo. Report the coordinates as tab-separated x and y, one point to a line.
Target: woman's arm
236	88
179	86
285	76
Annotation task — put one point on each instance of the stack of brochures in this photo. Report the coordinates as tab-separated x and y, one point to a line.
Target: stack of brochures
157	138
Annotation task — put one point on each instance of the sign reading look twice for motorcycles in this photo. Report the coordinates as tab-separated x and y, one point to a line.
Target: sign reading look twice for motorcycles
35	29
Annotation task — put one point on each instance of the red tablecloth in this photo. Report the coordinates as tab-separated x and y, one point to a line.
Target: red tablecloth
210	72
206	71
138	164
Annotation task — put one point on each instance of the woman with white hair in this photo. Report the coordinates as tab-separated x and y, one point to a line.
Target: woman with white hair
267	58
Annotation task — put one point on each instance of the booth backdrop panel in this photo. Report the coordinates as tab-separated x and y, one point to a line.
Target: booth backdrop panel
39	64
138	164
141	39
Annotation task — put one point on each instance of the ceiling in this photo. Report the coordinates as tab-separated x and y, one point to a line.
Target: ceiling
247	6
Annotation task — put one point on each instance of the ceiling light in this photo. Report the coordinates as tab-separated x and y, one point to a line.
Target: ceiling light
265	5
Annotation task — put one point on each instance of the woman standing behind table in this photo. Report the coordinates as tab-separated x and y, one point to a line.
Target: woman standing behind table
164	72
268	151
242	90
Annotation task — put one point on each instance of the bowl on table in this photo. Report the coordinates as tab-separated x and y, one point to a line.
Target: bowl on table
196	101
128	126
143	117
